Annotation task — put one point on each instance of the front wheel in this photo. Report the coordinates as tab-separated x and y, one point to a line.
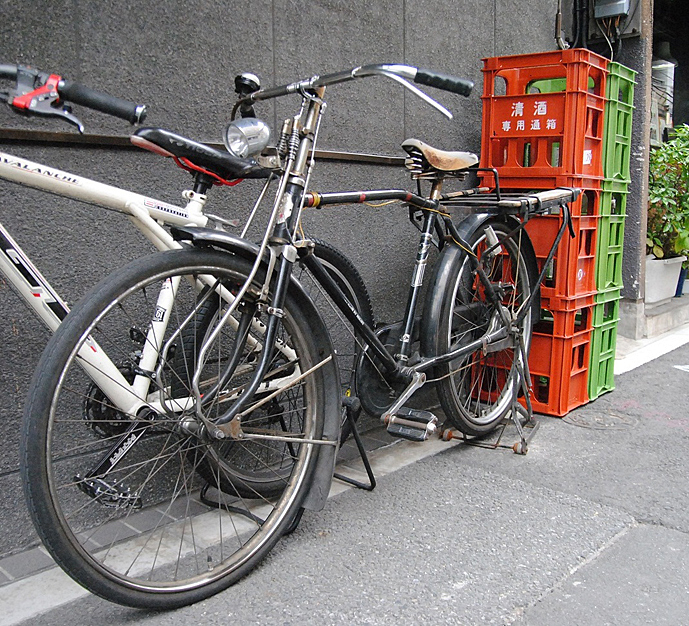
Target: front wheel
346	345
476	390
117	503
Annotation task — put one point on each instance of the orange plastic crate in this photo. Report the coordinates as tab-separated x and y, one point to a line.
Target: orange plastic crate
576	69
551	181
574	303
565	323
519	183
543	116
559	372
558	134
572	272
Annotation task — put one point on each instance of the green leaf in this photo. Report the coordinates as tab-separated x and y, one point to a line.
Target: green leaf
668	213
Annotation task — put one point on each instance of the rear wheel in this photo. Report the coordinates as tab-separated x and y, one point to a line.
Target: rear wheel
476	391
120	510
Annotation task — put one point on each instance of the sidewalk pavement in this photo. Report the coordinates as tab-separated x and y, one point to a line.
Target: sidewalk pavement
591	527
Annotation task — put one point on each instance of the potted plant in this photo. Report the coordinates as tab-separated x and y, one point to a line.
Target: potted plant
667	239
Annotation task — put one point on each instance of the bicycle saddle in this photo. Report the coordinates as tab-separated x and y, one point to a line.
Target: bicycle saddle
218	162
422	156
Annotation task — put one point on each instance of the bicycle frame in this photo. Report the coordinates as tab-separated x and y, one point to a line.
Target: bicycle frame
297	145
147	214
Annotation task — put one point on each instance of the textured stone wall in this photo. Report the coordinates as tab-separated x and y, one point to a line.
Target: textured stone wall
180	59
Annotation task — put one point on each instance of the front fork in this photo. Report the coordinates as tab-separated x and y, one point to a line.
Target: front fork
299	145
275	313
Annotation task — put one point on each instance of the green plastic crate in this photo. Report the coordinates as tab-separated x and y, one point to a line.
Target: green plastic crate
607	307
606	315
609	248
617	130
613	198
602	364
620	83
614	186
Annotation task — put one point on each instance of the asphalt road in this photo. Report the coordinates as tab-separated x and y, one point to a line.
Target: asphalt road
591	527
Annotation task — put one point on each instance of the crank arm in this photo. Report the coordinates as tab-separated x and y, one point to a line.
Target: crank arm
417	381
119	449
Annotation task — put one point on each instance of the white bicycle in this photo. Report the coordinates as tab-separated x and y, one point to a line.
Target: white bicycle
131	478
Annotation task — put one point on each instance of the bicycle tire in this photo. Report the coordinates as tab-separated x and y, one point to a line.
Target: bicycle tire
347	346
476	391
144	540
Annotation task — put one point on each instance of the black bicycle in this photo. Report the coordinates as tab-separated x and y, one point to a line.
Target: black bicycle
231	381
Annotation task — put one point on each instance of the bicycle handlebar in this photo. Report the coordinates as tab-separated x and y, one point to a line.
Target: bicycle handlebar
400	73
8	71
444	81
103	102
38	92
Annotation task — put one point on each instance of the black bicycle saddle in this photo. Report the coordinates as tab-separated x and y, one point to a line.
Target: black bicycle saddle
219	162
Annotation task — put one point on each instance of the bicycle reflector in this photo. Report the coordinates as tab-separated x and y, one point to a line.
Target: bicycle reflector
246	137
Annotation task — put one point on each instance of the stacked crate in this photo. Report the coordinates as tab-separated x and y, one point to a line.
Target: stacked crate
544	126
617	138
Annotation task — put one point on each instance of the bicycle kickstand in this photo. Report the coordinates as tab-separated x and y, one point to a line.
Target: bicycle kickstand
521	446
353	409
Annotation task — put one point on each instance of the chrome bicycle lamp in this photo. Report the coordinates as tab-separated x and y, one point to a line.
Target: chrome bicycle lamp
246	137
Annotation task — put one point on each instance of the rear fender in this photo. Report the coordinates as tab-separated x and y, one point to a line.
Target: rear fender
444	272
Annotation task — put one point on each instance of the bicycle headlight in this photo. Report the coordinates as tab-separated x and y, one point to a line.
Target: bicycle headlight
246	137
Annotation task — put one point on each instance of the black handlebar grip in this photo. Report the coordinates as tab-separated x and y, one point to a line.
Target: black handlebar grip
8	71
78	94
444	81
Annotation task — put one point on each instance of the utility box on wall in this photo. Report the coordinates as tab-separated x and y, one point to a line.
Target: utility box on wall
628	12
610	8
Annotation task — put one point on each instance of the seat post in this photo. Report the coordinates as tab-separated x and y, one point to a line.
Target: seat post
202	183
436	188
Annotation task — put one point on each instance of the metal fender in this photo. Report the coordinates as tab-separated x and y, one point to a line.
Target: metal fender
444	273
330	395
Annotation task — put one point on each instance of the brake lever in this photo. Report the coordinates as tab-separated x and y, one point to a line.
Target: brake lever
42	100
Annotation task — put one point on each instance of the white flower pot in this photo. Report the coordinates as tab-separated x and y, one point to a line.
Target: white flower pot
661	278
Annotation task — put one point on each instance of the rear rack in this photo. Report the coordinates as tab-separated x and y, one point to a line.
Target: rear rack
526	203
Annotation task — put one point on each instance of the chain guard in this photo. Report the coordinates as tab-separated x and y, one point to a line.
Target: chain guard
374	392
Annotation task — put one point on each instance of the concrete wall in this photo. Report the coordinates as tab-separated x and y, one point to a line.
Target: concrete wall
180	58
636	53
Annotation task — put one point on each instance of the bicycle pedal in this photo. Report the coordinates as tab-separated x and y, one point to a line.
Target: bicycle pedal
412	424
